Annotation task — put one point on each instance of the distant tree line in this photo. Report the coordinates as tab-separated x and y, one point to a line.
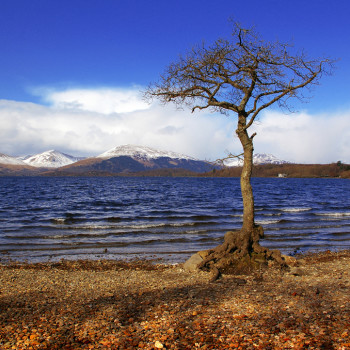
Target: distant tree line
291	170
338	169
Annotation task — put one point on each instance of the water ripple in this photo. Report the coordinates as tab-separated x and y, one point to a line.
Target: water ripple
121	218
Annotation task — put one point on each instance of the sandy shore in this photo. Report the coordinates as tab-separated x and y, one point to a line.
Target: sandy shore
114	305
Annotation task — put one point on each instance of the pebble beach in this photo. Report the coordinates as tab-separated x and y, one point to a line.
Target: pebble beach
147	305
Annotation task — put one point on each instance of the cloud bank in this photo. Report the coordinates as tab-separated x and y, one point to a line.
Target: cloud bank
90	121
305	138
101	100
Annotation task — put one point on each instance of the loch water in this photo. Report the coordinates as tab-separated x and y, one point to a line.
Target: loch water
50	218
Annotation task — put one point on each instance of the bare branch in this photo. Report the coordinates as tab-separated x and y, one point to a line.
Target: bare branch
221	161
244	75
279	94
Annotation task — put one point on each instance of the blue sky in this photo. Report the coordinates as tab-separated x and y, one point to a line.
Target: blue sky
71	71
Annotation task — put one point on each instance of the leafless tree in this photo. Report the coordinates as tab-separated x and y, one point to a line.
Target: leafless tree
239	76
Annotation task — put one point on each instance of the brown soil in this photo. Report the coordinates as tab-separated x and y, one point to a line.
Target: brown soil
113	305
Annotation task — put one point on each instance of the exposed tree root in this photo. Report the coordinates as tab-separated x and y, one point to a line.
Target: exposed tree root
239	254
216	274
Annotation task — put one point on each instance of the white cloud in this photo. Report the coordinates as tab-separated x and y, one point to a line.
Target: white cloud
304	137
102	100
28	128
88	122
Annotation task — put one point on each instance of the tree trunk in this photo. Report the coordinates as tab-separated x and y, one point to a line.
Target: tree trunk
246	187
241	251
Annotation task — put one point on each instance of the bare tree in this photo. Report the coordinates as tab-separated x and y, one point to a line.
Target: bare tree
240	77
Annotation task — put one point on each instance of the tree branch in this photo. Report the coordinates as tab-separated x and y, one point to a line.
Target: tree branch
244	75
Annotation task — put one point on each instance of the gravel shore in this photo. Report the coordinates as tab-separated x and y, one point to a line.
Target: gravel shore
139	305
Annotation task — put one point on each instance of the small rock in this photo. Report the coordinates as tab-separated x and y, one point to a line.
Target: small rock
192	263
159	345
239	281
296	271
290	261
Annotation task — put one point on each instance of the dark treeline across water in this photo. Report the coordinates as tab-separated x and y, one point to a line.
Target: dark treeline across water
45	219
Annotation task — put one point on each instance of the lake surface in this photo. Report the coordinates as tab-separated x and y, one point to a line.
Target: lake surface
45	219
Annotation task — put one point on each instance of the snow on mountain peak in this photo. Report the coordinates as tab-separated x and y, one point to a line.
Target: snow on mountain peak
56	159
140	152
50	159
5	159
258	158
262	158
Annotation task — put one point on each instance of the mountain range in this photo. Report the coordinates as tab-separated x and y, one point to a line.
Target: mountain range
119	160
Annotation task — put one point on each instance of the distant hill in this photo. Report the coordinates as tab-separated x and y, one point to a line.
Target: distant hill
133	159
11	166
288	170
141	152
8	160
19	170
50	159
138	158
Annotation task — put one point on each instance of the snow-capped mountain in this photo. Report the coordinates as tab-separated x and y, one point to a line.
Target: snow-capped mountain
123	160
141	152
258	158
50	159
5	159
133	159
262	158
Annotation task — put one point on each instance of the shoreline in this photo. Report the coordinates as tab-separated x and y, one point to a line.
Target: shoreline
139	305
149	262
108	259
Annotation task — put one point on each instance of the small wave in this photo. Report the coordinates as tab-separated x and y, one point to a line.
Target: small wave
59	237
295	210
60	221
202	217
201	223
271	214
267	222
114	219
90	227
78	235
165	224
145	226
66	221
133	227
283	221
337	214
163	212
179	224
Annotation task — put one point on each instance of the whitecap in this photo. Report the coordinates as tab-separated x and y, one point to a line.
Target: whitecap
336	214
267	222
295	210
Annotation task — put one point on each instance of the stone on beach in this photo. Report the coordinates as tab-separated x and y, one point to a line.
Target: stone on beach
192	263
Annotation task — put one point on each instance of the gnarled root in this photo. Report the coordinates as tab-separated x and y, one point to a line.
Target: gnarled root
240	253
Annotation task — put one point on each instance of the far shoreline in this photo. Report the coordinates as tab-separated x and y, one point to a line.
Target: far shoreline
291	170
